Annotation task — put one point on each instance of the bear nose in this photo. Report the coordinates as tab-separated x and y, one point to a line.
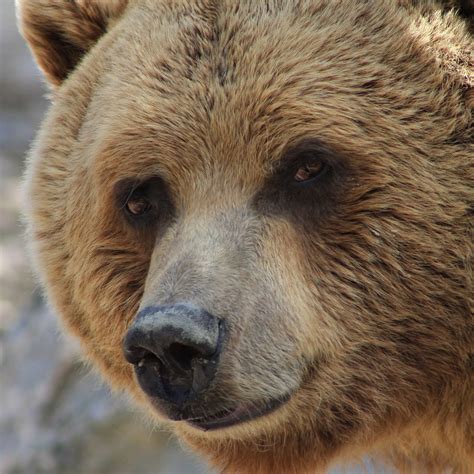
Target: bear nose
174	350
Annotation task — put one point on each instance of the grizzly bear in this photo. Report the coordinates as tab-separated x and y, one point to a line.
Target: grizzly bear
256	217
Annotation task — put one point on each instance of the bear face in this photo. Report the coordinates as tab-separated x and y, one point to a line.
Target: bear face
290	182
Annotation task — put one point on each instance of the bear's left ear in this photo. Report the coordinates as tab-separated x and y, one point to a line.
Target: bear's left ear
60	32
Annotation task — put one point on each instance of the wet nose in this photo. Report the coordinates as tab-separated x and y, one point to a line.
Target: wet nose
175	351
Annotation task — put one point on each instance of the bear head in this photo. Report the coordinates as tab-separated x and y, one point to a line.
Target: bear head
255	216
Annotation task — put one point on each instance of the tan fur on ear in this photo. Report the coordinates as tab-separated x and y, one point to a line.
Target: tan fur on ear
60	32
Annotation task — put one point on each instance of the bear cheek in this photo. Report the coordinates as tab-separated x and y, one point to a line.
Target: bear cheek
307	314
105	297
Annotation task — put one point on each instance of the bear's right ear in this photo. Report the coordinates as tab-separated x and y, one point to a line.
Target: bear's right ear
60	32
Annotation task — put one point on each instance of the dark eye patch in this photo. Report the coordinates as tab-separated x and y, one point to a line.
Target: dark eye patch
285	193
153	191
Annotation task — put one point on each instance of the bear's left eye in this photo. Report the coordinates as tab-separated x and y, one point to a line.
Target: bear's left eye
309	172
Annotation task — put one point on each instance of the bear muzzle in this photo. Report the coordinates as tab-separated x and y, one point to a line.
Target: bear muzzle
175	350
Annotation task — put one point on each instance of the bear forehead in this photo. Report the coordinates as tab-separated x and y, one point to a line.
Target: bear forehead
190	89
236	83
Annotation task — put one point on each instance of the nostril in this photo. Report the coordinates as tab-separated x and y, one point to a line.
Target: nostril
134	354
174	350
149	359
183	355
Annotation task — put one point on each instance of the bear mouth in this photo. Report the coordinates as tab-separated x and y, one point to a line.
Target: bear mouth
240	414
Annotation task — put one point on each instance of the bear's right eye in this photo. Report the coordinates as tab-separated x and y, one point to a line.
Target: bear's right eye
137	205
143	202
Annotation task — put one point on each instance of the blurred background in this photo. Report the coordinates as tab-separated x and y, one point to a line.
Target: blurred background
55	416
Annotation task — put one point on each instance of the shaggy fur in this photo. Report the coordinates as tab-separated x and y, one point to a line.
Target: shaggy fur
353	296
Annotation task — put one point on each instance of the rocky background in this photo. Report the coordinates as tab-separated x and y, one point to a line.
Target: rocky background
55	416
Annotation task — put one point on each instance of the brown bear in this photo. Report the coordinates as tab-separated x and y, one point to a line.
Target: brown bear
256	216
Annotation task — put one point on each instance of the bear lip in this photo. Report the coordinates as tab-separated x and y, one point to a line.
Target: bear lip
240	414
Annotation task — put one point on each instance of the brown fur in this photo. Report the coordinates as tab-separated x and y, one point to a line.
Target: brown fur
357	298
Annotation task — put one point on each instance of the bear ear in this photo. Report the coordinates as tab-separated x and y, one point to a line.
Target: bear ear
466	8
60	32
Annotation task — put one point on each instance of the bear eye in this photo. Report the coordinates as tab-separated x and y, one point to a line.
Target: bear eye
137	205
309	172
143	202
